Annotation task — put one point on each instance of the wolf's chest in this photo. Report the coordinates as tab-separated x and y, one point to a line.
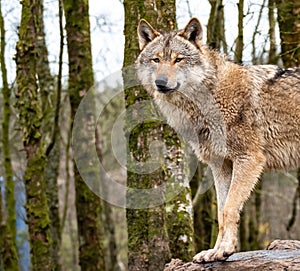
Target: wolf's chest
205	136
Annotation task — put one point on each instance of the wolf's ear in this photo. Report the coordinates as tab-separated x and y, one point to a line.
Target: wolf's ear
146	33
193	32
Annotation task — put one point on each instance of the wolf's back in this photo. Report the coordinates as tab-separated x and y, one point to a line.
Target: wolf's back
281	110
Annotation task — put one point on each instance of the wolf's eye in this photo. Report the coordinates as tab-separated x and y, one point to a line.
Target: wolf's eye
178	59
156	60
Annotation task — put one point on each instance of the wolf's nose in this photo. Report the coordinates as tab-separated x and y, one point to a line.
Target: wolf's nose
161	81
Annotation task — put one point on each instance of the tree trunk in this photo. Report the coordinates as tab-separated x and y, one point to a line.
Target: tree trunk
50	97
273	57
179	209
51	177
148	229
88	205
46	80
289	26
296	201
238	54
215	27
205	209
30	119
8	247
147	235
112	264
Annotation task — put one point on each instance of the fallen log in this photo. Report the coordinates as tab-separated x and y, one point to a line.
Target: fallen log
283	255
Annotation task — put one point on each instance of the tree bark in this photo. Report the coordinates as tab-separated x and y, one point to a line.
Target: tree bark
50	97
112	264
215	27
205	210
289	26
238	54
273	57
279	255
88	205
180	209
156	232
8	247
30	119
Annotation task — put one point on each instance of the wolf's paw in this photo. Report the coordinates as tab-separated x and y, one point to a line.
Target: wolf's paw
212	255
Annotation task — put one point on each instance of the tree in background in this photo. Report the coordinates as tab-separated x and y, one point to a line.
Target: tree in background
273	57
289	28
215	27
205	209
289	25
156	233
148	247
238	54
50	97
81	79
8	232
28	104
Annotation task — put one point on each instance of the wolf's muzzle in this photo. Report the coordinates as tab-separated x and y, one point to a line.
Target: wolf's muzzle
161	81
161	84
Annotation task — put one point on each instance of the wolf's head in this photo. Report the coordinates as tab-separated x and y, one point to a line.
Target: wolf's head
170	61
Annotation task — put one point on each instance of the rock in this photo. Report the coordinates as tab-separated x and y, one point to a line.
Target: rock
284	245
279	255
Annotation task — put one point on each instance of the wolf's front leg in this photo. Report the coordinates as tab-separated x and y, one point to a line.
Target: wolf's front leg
222	179
246	171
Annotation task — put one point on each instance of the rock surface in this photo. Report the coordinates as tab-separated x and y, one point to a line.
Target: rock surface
279	255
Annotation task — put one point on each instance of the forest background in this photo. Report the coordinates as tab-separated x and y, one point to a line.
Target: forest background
52	54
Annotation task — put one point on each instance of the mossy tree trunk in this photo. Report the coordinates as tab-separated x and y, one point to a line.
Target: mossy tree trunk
8	247
28	104
147	234
50	103
289	26
180	220
88	205
149	246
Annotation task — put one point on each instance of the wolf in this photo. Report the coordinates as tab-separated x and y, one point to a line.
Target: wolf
240	120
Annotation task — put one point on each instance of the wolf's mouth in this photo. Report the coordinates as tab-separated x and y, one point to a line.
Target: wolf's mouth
165	89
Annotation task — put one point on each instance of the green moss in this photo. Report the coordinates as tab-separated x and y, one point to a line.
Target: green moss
180	226
147	228
30	114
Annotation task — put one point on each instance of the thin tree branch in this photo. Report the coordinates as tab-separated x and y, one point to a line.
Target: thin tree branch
59	85
254	57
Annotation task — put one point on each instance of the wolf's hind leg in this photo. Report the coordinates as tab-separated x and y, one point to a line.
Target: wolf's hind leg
246	171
